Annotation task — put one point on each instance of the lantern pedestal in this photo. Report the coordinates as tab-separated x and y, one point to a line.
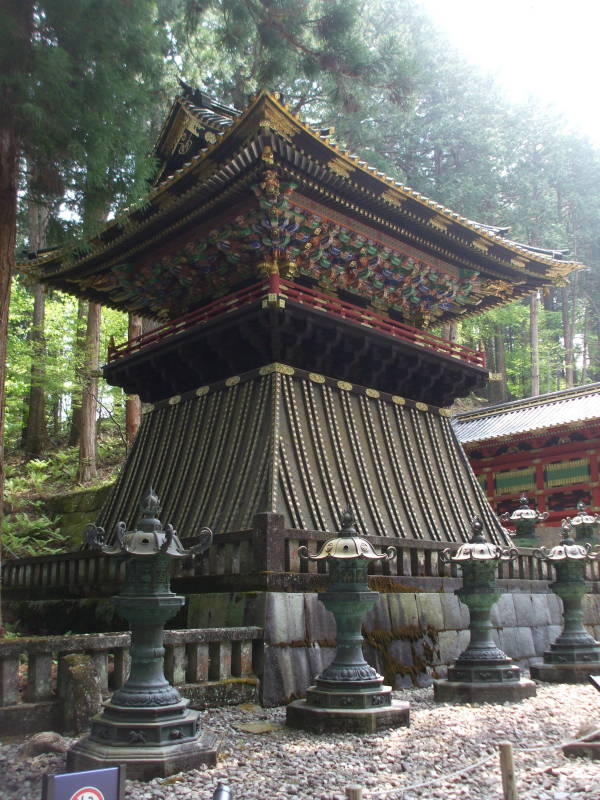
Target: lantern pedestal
144	762
483	691
575	654
146	724
349	695
483	673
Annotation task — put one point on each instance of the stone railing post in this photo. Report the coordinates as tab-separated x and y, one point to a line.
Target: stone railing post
121	666
241	659
269	542
219	654
197	662
9	680
39	677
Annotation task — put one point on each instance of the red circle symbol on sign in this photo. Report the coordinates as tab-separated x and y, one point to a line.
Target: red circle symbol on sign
87	793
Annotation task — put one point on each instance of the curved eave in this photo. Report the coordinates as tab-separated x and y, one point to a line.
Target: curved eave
336	178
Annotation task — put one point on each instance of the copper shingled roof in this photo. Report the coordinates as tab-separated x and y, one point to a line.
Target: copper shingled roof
253	443
531	414
230	161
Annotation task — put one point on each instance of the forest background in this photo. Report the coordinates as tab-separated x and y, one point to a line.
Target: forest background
88	85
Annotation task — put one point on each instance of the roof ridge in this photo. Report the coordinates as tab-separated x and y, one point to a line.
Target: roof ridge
528	402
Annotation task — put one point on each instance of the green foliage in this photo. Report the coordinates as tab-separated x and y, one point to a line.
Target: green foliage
31	533
63	362
26	530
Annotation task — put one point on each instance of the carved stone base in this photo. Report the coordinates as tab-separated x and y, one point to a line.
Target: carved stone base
563	673
580	653
145	761
376	696
346	720
502	670
445	691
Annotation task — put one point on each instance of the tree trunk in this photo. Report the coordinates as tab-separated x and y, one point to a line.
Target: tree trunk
498	391
595	362
133	406
13	62
585	355
535	344
79	359
568	335
8	225
55	407
89	397
35	439
36	431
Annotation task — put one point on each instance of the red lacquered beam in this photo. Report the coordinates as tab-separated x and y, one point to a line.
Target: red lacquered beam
341	308
275	285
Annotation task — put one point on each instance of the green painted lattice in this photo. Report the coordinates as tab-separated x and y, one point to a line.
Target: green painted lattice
566	473
513	481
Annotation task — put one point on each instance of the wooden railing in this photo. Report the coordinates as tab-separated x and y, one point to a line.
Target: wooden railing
379	322
28	672
421	559
90	572
200	316
285	289
267	550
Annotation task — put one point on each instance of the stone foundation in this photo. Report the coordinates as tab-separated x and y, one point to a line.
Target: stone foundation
411	636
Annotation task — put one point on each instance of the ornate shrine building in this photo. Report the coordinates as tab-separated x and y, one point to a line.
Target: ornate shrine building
546	447
292	370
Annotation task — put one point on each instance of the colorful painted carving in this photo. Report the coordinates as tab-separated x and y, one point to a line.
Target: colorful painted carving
280	236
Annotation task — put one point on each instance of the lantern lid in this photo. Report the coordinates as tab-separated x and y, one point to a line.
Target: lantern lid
150	538
567	550
581	518
524	511
348	544
478	549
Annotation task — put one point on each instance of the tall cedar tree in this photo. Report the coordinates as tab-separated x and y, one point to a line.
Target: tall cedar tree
80	80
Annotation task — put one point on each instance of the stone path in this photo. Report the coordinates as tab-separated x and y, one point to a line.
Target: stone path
280	764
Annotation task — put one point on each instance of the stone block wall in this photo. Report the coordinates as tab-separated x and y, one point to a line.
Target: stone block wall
411	636
76	510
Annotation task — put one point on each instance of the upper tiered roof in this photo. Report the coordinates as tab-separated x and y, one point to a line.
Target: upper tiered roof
241	195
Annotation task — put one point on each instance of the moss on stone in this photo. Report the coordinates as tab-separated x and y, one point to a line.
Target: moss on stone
390	585
381	641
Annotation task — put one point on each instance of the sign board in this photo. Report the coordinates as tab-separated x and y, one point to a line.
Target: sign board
95	784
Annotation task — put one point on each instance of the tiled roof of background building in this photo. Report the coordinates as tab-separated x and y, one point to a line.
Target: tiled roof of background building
531	414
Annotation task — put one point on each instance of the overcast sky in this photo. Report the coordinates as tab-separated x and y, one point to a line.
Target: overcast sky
546	48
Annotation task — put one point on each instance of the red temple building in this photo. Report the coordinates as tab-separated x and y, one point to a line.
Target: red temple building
547	448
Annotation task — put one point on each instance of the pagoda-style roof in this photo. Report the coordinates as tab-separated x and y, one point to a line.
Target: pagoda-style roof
303	445
529	416
260	192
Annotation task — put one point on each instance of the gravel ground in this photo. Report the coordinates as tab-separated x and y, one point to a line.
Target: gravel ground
283	764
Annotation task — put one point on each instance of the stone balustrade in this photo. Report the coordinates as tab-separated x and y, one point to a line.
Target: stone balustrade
258	555
421	559
33	673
